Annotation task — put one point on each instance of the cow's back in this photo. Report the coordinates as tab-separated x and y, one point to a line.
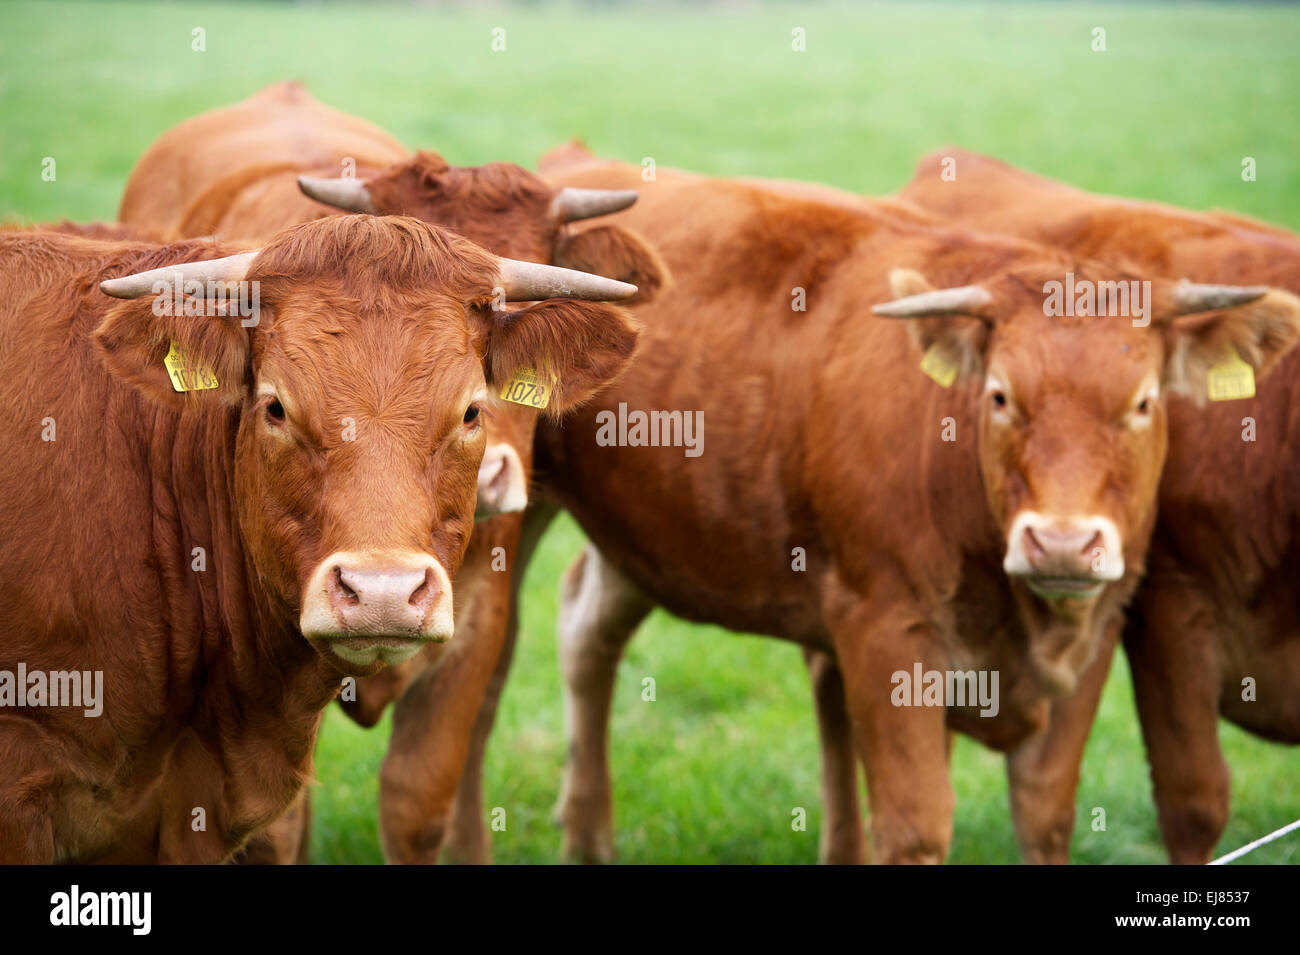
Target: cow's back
282	130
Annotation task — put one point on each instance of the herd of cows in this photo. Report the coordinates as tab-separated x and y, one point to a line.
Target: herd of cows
963	430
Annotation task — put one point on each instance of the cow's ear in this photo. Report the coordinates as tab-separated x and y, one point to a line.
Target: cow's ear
573	348
952	343
1259	333
210	351
615	253
905	282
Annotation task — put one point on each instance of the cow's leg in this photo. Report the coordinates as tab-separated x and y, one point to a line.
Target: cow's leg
28	784
432	724
434	720
303	856
599	611
467	839
843	841
1043	771
467	842
1176	682
26	829
904	747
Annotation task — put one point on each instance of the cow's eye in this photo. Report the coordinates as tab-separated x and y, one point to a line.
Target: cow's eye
275	412
1144	406
999	399
471	414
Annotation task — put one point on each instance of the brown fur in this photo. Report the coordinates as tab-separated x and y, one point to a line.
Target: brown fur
233	172
281	122
112	231
212	697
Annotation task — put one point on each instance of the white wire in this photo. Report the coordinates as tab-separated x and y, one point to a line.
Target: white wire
1238	853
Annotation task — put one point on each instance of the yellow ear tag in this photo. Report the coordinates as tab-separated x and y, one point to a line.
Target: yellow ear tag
525	389
187	374
1230	379
936	364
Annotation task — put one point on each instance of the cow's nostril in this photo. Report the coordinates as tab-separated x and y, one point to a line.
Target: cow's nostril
1094	542
418	595
345	591
1033	546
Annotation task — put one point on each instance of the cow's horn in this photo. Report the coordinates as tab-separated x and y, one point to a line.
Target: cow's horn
571	204
532	282
232	268
1192	297
946	301
348	194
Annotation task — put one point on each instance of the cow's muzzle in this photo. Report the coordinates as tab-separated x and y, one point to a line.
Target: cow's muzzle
1064	557
377	607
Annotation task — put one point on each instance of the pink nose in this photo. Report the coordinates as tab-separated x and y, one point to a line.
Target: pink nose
1064	551
383	601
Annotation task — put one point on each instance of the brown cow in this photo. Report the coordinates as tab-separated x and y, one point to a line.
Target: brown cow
239	171
297	519
828	508
1218	607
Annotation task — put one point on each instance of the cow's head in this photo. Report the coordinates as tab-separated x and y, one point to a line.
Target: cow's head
362	390
510	211
1072	425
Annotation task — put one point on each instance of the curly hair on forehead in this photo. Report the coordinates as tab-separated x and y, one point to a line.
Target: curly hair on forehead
501	206
364	253
496	184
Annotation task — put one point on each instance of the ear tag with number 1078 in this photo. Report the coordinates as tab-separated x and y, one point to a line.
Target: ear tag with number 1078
186	373
525	389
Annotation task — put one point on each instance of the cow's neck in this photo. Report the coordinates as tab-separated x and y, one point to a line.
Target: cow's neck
249	686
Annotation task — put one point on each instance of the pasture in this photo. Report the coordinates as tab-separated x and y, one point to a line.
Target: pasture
711	770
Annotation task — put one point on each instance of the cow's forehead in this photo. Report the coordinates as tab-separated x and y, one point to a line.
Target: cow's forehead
326	352
310	321
1105	358
500	188
373	262
500	206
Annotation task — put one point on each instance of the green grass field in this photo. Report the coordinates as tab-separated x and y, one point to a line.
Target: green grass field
711	770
